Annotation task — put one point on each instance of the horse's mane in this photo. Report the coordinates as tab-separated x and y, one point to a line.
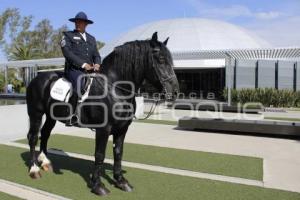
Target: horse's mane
128	60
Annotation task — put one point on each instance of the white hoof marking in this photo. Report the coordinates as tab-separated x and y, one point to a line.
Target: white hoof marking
43	159
34	169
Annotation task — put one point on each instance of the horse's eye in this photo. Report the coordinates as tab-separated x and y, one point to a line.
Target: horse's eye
155	50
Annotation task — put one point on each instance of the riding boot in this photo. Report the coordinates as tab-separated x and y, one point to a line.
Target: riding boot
74	118
73	110
85	91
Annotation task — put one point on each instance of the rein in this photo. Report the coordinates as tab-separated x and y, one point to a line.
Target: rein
152	109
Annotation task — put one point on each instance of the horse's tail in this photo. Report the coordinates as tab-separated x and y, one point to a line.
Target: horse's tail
38	99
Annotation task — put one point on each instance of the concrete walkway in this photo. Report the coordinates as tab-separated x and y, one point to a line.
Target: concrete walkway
281	156
25	192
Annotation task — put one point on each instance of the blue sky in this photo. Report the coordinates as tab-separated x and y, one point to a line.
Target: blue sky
277	21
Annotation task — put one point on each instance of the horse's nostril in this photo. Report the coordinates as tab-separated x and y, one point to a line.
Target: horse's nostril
165	91
175	93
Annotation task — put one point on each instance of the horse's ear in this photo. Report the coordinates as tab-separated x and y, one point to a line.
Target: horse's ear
166	41
154	37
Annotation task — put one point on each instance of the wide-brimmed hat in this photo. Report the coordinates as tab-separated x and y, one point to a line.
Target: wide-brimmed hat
81	16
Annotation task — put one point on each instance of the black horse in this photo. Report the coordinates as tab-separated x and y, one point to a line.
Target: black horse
131	64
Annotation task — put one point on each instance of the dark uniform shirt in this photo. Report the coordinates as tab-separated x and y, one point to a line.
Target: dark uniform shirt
77	51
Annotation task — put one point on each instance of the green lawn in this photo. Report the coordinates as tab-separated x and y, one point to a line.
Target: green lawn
71	177
223	164
155	121
4	196
293	109
284	119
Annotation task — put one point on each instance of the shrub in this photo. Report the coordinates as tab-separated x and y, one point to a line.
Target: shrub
266	96
23	90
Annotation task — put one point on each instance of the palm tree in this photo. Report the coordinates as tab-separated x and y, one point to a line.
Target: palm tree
22	52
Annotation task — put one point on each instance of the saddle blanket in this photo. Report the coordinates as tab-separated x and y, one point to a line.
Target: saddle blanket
61	90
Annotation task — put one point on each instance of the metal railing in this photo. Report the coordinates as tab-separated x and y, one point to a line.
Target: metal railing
31	68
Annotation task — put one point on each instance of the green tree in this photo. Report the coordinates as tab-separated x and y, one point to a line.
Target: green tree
8	19
19	42
22	52
100	45
18	84
2	82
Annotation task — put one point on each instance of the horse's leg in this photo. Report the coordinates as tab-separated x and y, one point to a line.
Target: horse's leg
32	136
101	141
118	140
45	133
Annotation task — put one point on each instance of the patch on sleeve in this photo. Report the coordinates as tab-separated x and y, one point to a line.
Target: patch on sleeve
63	42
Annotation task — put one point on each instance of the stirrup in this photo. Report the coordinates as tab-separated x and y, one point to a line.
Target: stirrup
84	97
87	91
72	121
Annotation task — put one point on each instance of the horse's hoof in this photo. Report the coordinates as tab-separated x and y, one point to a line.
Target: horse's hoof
34	172
47	168
124	185
35	175
100	190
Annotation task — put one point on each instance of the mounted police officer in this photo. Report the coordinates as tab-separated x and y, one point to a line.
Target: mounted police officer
81	54
80	51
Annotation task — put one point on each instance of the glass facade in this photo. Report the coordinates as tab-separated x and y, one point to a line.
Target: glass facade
266	74
285	75
201	83
197	83
245	74
209	83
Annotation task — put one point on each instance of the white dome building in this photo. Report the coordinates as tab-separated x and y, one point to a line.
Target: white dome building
200	46
192	34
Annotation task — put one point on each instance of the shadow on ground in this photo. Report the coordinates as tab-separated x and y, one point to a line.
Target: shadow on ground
84	168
